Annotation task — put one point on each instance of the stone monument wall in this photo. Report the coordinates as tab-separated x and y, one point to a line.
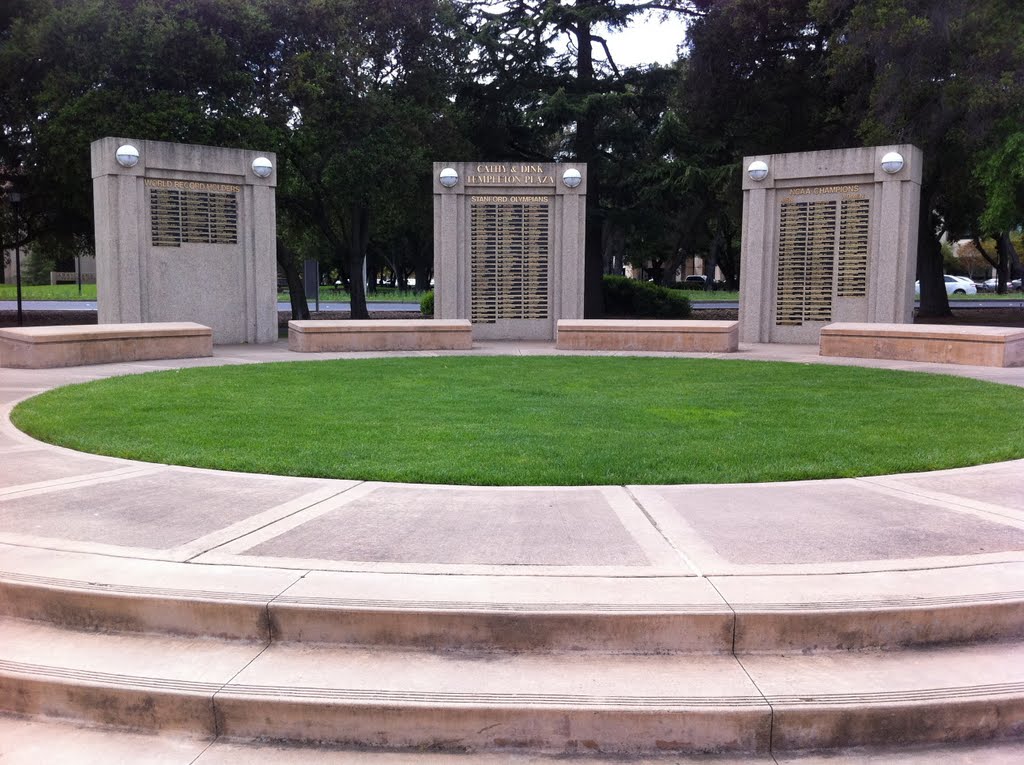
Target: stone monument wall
508	246
827	236
186	234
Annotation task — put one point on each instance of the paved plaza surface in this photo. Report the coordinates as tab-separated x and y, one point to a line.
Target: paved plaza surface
719	570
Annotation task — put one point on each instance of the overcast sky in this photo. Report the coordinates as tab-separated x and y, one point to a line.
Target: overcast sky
649	40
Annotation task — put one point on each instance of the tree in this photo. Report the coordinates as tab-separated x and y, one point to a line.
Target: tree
74	72
754	81
547	96
934	74
352	94
361	86
1001	174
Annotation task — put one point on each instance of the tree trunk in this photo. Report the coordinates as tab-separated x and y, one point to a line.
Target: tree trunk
614	241
1008	253
359	236
297	295
714	256
586	151
424	266
934	301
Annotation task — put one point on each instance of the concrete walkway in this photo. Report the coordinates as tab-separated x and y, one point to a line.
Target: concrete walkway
766	572
947	518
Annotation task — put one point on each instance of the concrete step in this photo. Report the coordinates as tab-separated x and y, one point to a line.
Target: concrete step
662	614
575	702
31	742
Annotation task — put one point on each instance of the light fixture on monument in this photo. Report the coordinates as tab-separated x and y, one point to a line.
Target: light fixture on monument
572	178
127	155
262	167
892	162
448	177
757	170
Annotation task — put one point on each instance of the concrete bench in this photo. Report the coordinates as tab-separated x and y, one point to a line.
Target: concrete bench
74	345
647	335
981	346
380	335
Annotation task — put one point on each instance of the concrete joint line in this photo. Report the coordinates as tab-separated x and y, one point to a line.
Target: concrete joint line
270	624
650	519
90	479
767	701
216	542
213	697
890	486
206	749
736	657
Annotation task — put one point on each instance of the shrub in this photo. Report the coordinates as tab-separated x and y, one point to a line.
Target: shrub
629	297
427	303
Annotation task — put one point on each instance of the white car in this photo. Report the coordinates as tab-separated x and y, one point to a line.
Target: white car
955	285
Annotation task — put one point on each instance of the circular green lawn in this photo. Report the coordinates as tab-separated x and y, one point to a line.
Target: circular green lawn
539	420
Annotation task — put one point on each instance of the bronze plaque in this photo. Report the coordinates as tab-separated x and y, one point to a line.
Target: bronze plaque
807	243
854	218
509	253
192	217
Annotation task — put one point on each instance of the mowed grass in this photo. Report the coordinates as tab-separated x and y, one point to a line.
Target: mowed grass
380	295
48	292
539	420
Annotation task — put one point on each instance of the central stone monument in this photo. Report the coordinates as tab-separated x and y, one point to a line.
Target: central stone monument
508	246
186	233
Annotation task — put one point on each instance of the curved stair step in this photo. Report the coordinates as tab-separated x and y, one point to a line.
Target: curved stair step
574	702
537	613
30	742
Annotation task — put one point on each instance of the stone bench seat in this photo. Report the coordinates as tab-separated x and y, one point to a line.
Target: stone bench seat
939	343
380	335
75	345
647	335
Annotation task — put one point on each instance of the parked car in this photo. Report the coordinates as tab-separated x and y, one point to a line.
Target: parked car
991	285
955	285
698	282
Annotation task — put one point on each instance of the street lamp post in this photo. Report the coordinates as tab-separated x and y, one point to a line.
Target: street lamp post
14	198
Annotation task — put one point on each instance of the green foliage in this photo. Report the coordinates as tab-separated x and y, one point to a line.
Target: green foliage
632	298
538	420
359	97
1002	175
427	304
950	263
36	266
941	74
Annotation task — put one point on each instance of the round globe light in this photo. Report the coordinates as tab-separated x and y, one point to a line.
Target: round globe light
127	155
262	167
448	177
572	178
758	170
892	162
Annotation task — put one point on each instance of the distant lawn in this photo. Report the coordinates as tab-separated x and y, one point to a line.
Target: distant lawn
70	292
539	420
1018	295
382	295
47	292
697	296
